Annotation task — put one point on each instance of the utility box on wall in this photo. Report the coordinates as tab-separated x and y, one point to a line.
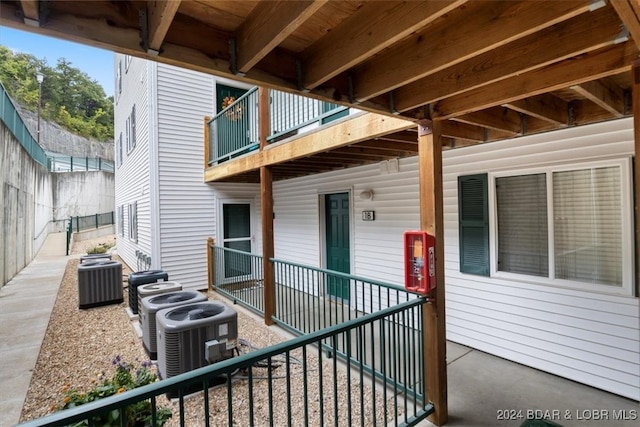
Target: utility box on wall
419	262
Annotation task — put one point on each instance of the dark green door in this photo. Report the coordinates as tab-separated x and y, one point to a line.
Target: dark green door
337	242
232	128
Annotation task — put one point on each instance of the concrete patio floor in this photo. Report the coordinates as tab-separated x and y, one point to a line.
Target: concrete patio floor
482	388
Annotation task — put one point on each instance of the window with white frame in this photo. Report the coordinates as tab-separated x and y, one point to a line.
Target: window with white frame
133	221
119	151
119	79
568	226
121	220
131	130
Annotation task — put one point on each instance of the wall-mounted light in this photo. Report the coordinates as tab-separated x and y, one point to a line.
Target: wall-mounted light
366	194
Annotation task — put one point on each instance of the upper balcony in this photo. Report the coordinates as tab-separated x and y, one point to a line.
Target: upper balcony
300	136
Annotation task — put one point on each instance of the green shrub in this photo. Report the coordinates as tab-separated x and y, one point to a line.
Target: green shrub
126	377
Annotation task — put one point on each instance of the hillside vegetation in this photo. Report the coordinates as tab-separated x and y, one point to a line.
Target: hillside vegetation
69	96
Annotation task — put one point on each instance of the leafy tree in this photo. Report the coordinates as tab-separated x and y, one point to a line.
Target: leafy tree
69	96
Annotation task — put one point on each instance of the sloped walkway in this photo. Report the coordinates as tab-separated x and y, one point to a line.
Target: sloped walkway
25	307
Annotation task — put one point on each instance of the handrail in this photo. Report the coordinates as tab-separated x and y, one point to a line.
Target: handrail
234	130
203	375
344	275
231	106
11	117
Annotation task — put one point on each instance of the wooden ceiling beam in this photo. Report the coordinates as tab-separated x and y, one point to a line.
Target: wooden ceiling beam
497	118
358	151
594	65
268	24
30	12
367	32
546	107
383	143
160	15
352	158
457	130
603	94
629	12
570	38
119	34
492	24
585	112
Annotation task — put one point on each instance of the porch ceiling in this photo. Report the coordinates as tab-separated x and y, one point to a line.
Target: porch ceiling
489	69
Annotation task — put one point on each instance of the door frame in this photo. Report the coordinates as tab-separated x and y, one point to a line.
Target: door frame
220	225
322	231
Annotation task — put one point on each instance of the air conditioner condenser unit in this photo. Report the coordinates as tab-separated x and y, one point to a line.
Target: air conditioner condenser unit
194	335
154	303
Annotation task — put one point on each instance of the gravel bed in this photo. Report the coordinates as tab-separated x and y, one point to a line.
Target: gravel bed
80	344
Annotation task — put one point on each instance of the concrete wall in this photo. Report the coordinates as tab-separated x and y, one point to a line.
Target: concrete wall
26	200
35	202
75	194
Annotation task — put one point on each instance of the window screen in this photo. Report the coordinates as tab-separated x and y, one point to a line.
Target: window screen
522	224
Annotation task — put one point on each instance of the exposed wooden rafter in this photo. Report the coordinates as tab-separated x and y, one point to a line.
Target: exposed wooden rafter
440	46
570	38
160	15
267	26
368	32
30	12
629	12
545	107
606	96
602	63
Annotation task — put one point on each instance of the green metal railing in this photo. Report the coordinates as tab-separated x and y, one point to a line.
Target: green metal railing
80	223
308	299
331	297
63	163
234	131
290	383
291	113
238	275
11	118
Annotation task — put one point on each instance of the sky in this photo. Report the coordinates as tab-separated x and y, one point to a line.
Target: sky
96	63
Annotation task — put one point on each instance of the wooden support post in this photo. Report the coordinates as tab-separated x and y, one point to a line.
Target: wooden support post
210	262
207	142
432	221
266	202
636	134
266	198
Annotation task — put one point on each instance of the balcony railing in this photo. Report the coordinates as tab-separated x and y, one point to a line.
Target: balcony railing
235	130
12	119
62	163
290	383
309	299
238	276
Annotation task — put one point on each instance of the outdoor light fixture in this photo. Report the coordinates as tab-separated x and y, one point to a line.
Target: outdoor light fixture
366	195
40	79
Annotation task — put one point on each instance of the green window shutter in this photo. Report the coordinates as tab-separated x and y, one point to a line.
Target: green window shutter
473	219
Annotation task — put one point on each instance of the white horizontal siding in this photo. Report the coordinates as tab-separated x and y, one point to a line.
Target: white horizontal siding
187	205
587	337
132	178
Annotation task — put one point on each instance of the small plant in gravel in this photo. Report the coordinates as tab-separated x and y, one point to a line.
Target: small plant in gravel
126	377
100	249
